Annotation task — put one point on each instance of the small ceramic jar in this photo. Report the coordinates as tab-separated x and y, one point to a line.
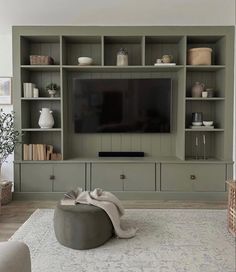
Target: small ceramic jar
122	57
204	94
167	58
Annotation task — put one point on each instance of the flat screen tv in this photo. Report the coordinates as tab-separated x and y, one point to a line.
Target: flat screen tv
122	105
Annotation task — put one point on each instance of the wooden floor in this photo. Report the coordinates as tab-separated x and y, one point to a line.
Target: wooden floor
16	213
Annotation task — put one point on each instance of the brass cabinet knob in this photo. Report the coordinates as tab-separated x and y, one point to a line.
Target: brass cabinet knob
122	176
52	177
192	177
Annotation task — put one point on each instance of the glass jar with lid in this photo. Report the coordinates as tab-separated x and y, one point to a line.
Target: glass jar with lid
122	57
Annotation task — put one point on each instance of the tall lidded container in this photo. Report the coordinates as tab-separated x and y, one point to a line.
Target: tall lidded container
122	57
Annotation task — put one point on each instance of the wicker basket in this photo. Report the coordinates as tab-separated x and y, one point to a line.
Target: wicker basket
41	60
0	198
232	206
199	56
6	187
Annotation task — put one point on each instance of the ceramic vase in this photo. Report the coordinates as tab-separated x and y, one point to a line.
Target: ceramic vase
46	119
197	89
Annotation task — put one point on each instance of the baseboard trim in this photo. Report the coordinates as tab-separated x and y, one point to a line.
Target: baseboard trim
206	196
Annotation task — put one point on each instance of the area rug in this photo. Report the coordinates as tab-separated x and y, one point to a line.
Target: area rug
167	241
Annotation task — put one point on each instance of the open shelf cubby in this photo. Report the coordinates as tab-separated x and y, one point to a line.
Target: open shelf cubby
44	137
133	45
215	42
74	47
212	110
214	145
41	78
31	112
157	46
211	79
40	45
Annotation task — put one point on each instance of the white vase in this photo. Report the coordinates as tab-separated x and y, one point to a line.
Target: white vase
46	119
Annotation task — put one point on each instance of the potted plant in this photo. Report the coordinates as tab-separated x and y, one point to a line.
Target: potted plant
9	137
52	88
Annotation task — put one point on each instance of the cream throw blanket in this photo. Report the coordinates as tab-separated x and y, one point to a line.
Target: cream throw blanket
106	201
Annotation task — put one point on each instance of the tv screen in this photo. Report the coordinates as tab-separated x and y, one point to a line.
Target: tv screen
122	105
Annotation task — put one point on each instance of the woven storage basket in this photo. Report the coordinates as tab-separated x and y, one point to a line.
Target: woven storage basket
6	192
232	206
199	56
0	198
41	60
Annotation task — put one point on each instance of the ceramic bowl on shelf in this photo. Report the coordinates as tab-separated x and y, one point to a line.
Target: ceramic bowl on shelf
196	123
208	123
85	61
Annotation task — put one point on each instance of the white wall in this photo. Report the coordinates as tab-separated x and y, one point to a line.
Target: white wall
6	71
105	12
119	12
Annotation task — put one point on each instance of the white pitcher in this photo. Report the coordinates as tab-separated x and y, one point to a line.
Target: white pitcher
46	119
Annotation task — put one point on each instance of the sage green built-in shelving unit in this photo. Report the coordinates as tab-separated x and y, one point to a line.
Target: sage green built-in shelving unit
144	46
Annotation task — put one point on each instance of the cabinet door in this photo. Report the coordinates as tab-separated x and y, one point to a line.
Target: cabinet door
193	177
209	177
36	177
107	176
139	177
176	177
68	176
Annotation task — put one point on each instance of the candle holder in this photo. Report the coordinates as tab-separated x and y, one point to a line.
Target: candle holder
197	118
196	146
204	146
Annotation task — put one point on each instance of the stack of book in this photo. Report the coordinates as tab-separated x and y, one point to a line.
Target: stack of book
37	152
28	89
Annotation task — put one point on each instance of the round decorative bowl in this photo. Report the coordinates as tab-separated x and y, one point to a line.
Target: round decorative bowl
85	61
207	123
196	123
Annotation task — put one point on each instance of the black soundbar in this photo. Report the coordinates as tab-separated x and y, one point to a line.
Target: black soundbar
121	154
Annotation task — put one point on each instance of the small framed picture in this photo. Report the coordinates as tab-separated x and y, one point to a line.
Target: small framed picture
5	91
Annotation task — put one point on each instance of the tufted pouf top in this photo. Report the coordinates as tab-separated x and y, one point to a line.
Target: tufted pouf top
81	226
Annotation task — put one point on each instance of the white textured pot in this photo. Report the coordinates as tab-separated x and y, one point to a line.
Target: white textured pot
46	119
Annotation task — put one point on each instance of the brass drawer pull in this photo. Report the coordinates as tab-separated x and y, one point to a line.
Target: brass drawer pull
122	176
52	177
192	177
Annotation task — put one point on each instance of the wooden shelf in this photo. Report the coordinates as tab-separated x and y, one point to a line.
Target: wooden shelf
204	129
41	129
149	68
49	68
41	98
204	68
204	99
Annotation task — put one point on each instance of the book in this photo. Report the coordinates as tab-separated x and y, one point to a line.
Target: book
25	152
49	150
44	152
30	152
28	89
56	157
35	153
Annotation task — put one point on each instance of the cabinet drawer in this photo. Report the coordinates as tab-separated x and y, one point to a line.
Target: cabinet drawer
123	177
193	177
